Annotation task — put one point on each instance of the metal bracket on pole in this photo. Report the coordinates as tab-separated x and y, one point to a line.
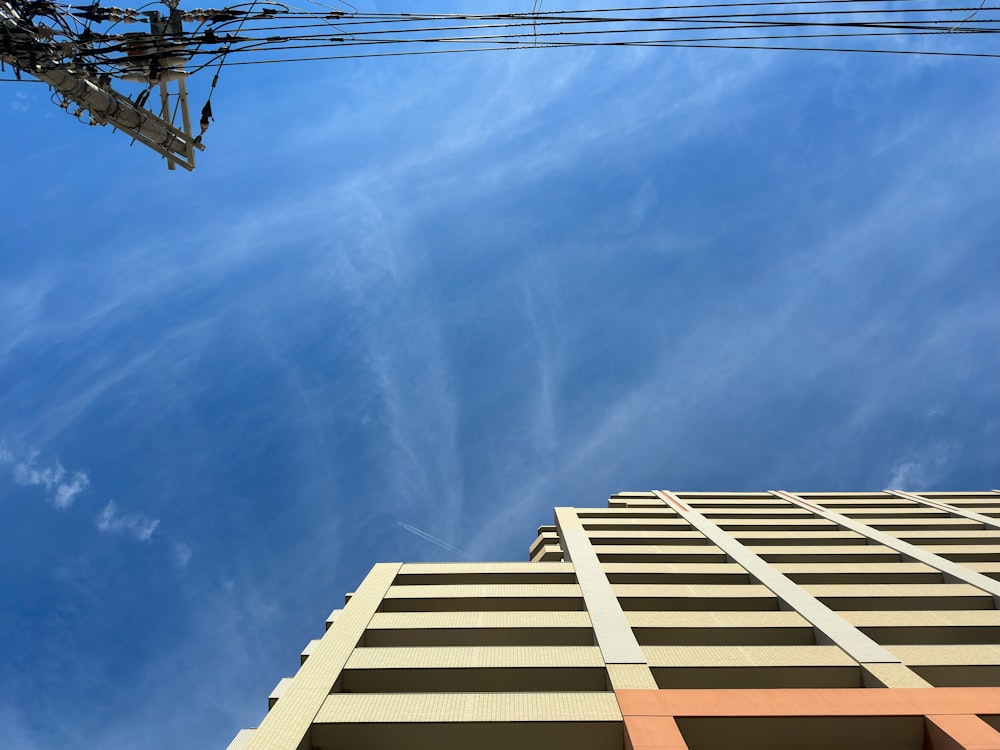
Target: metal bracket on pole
159	59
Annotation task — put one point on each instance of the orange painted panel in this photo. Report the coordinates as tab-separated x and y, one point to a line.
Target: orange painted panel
653	733
810	702
957	732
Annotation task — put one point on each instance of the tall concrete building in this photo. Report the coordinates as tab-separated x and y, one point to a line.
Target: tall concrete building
706	621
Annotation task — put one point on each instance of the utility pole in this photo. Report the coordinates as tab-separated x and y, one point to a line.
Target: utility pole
30	48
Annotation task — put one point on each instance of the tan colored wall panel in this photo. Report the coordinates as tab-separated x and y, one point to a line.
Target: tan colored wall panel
915	618
740	591
957	536
775	619
914	511
841	599
821	553
991	569
798	538
967	552
639	537
977	655
892	676
630	677
490	620
652	553
345	708
746	656
806	522
859	573
650	512
529	569
483	597
467	657
530	573
486	591
667	569
856	567
671	523
743	500
466	633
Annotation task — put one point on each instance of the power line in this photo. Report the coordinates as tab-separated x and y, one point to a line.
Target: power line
82	50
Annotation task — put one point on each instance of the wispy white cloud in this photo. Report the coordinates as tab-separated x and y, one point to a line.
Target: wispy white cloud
112	521
180	554
61	487
918	471
906	475
21	102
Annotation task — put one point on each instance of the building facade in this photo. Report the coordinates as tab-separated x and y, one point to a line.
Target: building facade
675	621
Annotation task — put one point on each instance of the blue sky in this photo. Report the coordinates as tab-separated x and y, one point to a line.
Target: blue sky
452	293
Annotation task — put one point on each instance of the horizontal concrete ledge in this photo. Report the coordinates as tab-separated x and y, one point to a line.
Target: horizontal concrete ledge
469	657
747	656
347	708
721	619
484	620
529	569
810	702
484	591
921	619
978	655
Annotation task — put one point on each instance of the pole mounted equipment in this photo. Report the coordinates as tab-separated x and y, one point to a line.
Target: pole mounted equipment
61	56
80	51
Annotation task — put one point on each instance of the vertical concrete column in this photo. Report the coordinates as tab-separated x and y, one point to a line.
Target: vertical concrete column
286	726
879	666
626	663
989	522
951	570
